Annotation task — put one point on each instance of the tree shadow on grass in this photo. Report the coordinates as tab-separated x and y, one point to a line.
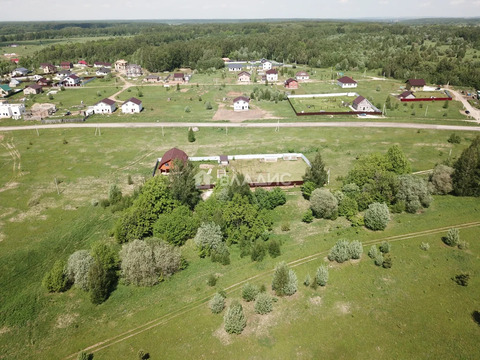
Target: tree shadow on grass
476	317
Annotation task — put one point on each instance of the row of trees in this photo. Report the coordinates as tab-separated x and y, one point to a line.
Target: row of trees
436	53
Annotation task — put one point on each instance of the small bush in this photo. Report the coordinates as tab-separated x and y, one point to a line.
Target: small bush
462	279
263	304
373	252
114	194
454	139
379	259
285	226
425	246
387	262
452	238
104	203
211	280
56	279
258	251
357	221
234	319
340	252
463	245
348	207
308	216
187	109
321	278
249	292
208	106
355	249
324	204
385	247
307	188
274	248
129	180
377	216
307	280
217	303
284	280
191	135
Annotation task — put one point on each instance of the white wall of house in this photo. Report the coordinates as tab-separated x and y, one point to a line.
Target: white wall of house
272	77
244	78
303	77
14	111
131	107
347	85
102	108
72	81
267	65
240	105
364	105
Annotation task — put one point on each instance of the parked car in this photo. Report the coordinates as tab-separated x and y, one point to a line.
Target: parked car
467	112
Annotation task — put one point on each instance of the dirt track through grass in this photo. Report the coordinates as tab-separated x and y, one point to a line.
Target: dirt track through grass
200	302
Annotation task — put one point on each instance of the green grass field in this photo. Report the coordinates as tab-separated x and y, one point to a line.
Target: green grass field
319	104
39	225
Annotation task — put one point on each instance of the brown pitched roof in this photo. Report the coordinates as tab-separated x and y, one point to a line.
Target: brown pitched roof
107	101
134	100
244	98
358	100
406	93
35	86
416	82
301	73
173	154
272	71
178	75
290	80
346	80
243	73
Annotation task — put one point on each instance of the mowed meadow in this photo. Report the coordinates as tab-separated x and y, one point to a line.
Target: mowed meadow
49	181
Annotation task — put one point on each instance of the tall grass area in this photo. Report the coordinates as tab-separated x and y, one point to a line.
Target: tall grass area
39	225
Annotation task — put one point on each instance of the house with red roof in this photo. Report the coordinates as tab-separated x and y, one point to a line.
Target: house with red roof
132	105
66	65
105	106
166	163
244	76
241	103
291	84
346	82
48	68
415	84
82	63
362	104
406	95
271	75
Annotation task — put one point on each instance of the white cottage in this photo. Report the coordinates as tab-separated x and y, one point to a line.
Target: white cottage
266	65
14	111
71	80
362	104
132	105
302	75
241	103
272	75
234	67
244	76
346	82
14	83
106	106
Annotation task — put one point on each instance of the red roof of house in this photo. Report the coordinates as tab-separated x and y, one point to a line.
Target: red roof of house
240	98
66	63
271	71
346	80
134	100
173	154
406	93
243	73
416	82
15	60
35	86
301	73
73	76
178	75
290	81
83	62
358	100
107	101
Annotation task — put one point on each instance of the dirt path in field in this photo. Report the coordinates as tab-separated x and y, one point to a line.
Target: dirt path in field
240	116
359	124
474	113
17	163
201	302
125	86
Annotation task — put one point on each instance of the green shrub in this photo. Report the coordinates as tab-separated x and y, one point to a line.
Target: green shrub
100	282
285	226
78	266
385	247
284	280
114	194
211	280
324	204
440	180
307	280
263	304
307	216
258	251
217	303
387	262
249	292
292	284
373	252
274	248
209	238
56	279
348	207
377	216
355	249
463	245
340	252
357	221
307	188
220	254
425	246
452	238
321	278
462	279
191	135
234	319
129	180
379	259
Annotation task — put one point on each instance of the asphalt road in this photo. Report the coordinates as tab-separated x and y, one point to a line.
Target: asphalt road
361	124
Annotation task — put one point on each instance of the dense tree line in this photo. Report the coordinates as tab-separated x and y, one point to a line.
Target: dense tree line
434	52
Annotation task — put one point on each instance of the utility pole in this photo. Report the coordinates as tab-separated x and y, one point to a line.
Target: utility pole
426	110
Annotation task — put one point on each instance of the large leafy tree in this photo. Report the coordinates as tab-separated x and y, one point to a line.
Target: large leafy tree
176	227
466	174
397	161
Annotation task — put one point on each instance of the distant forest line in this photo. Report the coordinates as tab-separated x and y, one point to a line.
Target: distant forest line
445	52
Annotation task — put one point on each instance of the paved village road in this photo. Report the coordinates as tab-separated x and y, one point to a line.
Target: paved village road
247	125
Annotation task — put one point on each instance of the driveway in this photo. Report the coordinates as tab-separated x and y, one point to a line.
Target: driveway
474	113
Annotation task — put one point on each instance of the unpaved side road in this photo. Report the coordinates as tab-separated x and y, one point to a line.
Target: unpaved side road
475	113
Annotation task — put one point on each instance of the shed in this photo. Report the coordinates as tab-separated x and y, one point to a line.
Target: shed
223	160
